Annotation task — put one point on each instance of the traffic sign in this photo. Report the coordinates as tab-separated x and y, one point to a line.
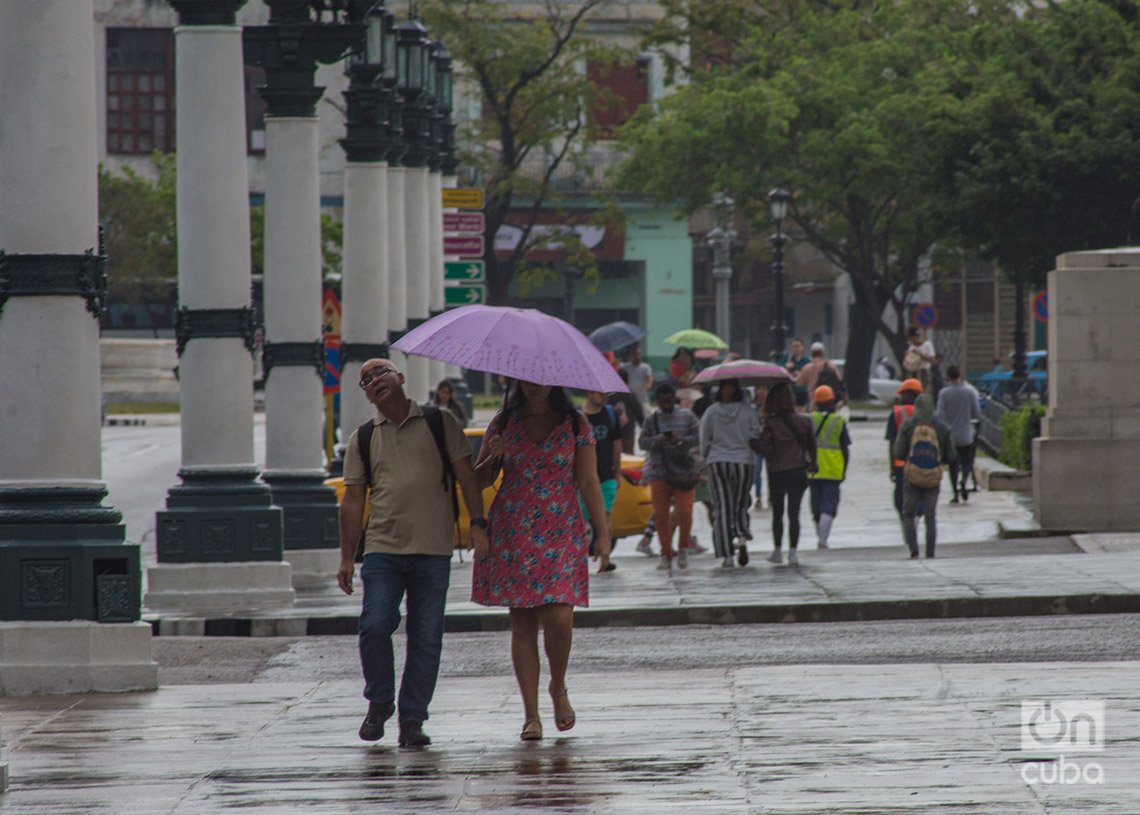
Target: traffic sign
468	271
464	295
463	245
463	197
474	222
925	315
1041	307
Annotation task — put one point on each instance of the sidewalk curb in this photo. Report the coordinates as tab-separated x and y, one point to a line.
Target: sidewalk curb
495	620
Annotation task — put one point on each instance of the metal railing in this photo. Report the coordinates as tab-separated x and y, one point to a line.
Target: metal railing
995	406
989	425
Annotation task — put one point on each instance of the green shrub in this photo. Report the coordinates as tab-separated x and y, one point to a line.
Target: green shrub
1018	428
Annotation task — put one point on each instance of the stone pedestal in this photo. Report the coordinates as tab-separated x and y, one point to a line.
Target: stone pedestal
213	589
1086	462
313	568
75	657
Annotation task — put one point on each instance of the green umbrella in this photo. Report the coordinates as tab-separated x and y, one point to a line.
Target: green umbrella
696	338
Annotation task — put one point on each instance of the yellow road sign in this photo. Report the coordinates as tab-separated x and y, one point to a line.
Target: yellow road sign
463	197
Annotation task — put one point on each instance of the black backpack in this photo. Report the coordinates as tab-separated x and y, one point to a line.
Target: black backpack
434	420
829	377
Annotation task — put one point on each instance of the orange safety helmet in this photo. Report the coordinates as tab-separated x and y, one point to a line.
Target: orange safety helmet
910	385
823	393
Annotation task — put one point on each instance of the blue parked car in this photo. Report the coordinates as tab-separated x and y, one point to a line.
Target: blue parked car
996	382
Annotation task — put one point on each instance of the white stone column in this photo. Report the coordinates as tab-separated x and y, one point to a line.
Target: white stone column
417	226
397	261
294	399
436	370
365	288
220	539
66	574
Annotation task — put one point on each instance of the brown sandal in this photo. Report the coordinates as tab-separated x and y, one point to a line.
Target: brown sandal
532	730
567	720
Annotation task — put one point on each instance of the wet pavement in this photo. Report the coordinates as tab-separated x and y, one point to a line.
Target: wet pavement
807	738
787	739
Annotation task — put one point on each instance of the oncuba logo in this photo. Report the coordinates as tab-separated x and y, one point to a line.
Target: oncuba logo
1057	727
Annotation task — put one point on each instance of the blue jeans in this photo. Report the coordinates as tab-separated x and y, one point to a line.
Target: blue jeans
424	578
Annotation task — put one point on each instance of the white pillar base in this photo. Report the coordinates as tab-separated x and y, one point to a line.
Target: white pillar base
204	589
75	656
313	568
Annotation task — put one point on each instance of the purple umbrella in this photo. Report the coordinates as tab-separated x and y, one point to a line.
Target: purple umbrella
747	371
521	343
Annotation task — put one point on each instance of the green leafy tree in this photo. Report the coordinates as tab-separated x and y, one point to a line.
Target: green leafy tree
830	99
1051	124
140	235
534	127
908	130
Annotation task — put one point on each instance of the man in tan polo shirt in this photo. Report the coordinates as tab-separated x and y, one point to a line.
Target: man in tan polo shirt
407	547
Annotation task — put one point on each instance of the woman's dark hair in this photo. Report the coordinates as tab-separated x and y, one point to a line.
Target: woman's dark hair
683	352
780	400
737	394
445	384
514	399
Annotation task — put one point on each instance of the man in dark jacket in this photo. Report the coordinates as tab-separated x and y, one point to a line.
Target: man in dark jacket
920	496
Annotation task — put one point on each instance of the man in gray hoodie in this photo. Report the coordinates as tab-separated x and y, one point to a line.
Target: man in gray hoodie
925	444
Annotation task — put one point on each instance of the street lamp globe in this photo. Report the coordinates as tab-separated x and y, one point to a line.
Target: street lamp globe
778	199
412	56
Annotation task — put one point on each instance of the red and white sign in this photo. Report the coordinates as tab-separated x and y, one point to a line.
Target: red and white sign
473	222
463	245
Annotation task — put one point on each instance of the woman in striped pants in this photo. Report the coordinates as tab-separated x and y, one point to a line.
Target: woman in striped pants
729	429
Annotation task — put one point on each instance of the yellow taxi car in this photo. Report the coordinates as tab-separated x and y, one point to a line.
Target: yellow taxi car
632	505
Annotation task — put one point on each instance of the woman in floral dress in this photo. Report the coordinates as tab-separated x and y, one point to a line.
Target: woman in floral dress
536	559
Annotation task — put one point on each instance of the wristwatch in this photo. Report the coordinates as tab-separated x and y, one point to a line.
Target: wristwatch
479	522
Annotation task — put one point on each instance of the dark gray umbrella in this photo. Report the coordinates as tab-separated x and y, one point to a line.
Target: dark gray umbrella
612	336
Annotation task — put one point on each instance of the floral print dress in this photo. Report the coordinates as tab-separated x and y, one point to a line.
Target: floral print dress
538	538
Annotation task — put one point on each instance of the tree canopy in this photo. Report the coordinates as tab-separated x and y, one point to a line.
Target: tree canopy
902	128
527	71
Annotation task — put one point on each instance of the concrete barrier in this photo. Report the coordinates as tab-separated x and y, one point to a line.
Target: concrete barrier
138	370
995	476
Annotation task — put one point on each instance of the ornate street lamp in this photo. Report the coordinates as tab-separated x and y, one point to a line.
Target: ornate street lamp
412	59
778	200
720	238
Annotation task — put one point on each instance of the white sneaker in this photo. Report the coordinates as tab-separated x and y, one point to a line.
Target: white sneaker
726	563
665	565
776	557
793	558
682	558
645	547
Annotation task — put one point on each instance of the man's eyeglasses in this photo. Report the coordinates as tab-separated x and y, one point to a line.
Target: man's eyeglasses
370	377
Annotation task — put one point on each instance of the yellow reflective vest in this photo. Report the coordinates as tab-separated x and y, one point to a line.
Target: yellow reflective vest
828	428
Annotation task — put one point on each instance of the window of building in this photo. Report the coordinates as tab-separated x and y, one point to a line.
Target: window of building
623	88
140	90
